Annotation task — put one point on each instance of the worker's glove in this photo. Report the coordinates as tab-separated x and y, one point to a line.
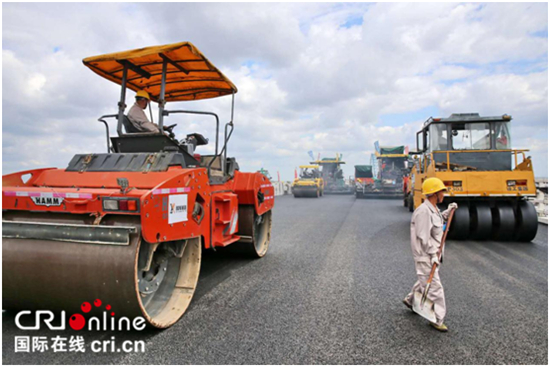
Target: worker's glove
435	259
452	206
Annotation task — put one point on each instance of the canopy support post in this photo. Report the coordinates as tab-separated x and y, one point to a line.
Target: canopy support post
122	102
225	132
162	102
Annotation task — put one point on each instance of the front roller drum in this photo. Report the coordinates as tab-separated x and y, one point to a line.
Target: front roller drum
154	281
309	192
255	231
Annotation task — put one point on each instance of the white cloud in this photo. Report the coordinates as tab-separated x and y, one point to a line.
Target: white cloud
310	76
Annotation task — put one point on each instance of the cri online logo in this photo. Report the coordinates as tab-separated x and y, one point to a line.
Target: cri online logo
77	321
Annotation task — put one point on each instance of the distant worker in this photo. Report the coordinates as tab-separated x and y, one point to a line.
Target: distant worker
138	118
426	233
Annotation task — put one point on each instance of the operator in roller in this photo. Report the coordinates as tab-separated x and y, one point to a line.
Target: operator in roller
138	118
426	234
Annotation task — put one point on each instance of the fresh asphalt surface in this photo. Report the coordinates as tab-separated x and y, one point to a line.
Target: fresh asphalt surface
329	291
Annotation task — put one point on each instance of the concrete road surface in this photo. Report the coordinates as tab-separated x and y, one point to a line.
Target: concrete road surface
329	291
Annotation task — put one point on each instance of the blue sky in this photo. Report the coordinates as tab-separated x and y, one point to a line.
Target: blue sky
327	77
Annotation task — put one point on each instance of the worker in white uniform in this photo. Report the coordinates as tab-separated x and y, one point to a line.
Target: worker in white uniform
426	233
138	118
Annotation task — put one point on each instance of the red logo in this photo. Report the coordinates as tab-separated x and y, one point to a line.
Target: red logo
77	321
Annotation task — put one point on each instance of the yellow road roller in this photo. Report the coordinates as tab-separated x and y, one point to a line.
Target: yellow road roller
488	179
309	184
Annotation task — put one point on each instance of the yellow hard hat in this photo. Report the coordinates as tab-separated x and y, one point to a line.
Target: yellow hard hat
432	185
142	94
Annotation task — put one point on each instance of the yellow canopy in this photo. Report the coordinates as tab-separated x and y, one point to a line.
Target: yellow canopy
378	155
189	74
309	166
328	161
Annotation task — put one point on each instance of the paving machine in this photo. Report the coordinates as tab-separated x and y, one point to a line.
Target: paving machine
333	176
472	155
364	180
388	183
128	226
309	183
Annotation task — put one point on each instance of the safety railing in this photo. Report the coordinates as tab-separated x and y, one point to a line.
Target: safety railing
447	164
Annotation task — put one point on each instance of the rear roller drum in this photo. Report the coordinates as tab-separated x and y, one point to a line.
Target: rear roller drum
460	226
527	222
166	285
255	231
481	221
504	222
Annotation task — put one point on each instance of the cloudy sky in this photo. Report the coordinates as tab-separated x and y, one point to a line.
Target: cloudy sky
328	77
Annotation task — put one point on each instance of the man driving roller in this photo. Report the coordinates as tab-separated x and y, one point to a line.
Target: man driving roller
138	118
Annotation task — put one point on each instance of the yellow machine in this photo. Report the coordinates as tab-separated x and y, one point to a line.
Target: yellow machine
309	184
472	155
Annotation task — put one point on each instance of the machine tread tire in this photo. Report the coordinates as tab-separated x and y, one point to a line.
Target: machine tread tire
460	226
527	222
504	222
481	221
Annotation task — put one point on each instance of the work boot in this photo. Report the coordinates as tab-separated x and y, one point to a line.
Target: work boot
406	303
443	328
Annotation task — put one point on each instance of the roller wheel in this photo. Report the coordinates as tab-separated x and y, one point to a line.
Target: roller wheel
504	222
151	280
481	221
167	288
527	222
255	230
460	226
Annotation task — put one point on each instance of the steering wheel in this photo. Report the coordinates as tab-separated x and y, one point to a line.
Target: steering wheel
169	130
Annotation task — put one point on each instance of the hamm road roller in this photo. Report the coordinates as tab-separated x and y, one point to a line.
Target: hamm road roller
128	226
472	155
309	184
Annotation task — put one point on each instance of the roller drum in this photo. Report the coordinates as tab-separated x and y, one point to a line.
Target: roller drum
61	275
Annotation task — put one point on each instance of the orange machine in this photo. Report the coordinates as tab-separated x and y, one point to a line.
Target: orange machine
128	226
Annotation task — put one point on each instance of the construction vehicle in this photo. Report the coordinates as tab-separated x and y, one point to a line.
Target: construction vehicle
388	183
128	226
408	201
333	176
472	155
309	183
265	173
364	180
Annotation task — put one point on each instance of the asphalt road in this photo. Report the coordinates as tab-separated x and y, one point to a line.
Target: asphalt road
329	291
